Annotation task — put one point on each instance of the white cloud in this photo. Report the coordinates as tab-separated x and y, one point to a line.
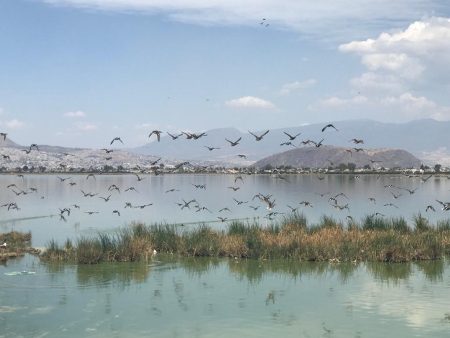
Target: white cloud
86	126
288	88
13	124
75	114
423	47
405	106
337	102
374	83
415	107
299	15
250	102
400	66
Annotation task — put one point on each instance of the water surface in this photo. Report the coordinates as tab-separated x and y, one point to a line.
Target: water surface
221	298
52	194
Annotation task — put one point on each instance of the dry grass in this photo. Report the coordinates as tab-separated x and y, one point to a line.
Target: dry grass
374	240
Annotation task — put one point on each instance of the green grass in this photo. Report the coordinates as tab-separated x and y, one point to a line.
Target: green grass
373	239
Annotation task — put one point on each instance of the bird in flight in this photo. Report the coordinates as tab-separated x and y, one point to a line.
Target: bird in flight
430	207
106	199
157	133
174	137
329	126
107	150
357	141
35	146
211	148
156	161
171	190
259	137
291	137
139	178
234	143
318	144
116	139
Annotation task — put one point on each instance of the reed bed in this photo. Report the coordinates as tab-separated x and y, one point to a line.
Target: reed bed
14	244
373	239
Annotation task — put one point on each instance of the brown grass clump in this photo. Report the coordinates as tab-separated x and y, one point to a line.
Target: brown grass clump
14	244
376	240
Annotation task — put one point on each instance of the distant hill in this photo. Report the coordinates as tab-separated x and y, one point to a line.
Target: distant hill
423	138
326	156
8	143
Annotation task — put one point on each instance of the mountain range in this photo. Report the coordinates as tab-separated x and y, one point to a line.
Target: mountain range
426	139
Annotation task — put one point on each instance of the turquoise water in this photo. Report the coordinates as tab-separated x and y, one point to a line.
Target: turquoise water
53	195
170	297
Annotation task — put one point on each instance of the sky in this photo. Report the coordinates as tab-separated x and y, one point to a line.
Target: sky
80	72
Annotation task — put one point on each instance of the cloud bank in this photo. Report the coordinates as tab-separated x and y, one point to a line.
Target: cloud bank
305	16
250	102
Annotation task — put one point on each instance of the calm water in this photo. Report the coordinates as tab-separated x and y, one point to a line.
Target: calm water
52	194
224	298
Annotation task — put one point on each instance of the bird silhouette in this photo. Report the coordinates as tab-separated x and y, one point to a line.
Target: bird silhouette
116	139
4	136
211	148
174	137
291	137
106	199
288	143
139	178
234	143
330	125
430	207
157	133
259	137
239	202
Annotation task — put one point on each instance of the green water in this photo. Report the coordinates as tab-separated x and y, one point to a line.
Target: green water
223	298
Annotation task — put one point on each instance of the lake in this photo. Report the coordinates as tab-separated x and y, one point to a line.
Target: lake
39	210
178	297
199	297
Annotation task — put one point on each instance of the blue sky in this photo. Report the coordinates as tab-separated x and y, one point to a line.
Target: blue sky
79	72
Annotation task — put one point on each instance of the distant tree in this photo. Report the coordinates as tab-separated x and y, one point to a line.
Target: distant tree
367	167
351	166
437	168
342	167
268	167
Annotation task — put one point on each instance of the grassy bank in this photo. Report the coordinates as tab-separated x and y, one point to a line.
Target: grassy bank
14	244
372	239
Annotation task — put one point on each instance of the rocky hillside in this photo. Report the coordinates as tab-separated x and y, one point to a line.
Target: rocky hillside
326	156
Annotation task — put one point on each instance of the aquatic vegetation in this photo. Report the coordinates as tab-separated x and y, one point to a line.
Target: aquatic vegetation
14	244
374	239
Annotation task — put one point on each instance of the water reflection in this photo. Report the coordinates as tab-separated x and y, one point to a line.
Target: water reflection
202	297
112	275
